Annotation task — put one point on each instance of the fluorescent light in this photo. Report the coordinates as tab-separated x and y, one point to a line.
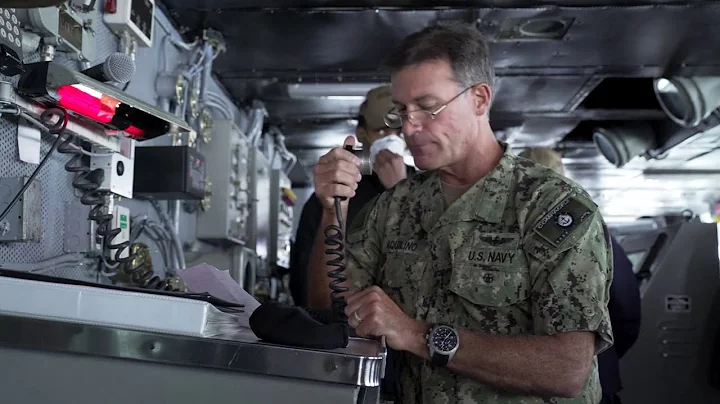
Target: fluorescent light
305	90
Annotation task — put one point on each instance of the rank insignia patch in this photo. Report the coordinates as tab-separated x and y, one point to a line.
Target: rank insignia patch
562	220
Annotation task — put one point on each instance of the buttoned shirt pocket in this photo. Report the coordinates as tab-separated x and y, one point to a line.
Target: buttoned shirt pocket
491	281
487	286
402	275
490	270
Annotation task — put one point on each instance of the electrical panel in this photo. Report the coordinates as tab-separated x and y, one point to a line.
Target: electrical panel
134	17
78	229
118	170
81	214
23	222
11	54
260	208
169	173
121	220
62	27
282	200
224	212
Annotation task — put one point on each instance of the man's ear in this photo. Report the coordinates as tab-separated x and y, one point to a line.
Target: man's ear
482	94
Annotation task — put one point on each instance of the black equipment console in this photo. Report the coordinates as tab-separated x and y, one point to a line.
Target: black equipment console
169	173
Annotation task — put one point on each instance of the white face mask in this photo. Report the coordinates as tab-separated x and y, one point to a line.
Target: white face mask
394	143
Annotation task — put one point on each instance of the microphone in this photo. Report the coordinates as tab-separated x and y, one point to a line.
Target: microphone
118	67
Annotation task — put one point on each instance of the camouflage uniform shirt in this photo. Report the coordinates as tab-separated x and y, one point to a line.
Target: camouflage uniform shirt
524	251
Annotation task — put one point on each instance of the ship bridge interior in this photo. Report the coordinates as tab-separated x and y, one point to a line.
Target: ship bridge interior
566	71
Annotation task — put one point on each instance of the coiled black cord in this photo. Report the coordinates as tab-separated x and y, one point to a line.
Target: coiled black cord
88	181
335	242
139	273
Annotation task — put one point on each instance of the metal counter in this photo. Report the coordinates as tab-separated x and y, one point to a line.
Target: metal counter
56	362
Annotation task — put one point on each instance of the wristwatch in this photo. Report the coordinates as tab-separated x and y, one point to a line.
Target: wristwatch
443	341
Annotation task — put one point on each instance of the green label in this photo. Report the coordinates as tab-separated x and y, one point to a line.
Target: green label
123	222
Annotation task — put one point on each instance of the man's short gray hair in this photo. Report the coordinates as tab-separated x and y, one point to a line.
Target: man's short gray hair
460	44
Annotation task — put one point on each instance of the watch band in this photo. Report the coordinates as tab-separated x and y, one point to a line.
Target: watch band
439	359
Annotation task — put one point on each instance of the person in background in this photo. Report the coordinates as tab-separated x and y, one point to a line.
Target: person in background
624	304
388	170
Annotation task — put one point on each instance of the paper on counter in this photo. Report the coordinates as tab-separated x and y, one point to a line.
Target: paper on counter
206	278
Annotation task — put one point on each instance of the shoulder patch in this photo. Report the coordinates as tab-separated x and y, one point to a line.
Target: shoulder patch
563	219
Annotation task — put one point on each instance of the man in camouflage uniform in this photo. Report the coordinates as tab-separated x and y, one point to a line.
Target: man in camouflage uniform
625	305
512	258
389	169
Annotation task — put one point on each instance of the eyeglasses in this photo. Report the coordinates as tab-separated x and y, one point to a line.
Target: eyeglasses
394	118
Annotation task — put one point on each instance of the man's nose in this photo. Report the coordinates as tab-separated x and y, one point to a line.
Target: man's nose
410	128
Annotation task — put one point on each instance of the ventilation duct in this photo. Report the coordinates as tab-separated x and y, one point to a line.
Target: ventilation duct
688	100
619	143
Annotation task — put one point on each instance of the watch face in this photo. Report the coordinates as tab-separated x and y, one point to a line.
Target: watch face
444	339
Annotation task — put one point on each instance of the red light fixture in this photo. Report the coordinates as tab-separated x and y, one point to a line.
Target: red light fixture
94	105
54	84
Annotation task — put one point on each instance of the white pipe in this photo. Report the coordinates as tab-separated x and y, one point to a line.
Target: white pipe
257	118
207	70
214	100
226	112
270	148
282	149
188	46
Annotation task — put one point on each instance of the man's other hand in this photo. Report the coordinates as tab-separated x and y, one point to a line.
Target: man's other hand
337	173
372	313
390	168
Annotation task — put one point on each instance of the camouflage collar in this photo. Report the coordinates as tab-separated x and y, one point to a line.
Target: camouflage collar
496	188
486	199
